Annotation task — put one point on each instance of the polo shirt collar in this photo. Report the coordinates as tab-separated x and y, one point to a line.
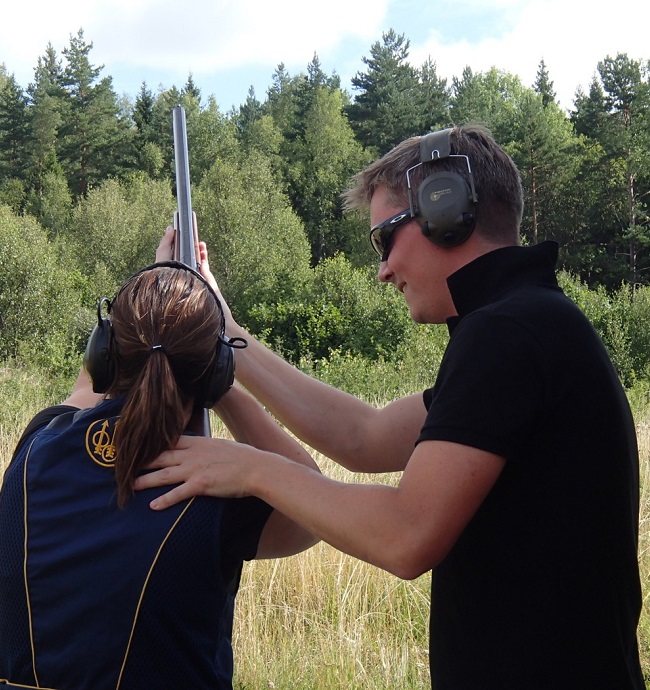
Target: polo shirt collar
487	277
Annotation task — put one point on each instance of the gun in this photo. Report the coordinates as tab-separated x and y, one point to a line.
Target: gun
186	237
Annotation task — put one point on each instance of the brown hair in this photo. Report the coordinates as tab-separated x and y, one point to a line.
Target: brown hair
166	325
496	179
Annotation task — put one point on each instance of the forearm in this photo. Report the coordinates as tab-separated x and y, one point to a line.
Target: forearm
325	418
372	522
249	423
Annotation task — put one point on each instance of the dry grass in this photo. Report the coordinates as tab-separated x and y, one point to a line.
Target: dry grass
322	619
643	434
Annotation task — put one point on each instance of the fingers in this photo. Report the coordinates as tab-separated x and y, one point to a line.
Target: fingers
163	477
180	493
195	229
205	268
165	251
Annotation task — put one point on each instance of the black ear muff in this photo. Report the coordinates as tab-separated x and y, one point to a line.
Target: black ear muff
445	202
221	375
446	211
98	356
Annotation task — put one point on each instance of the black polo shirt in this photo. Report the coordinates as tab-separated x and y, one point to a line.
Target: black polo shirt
542	588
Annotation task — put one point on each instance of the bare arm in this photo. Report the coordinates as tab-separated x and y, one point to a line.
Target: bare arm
355	434
250	424
82	395
406	530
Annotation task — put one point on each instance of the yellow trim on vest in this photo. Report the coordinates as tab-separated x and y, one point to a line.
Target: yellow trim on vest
144	587
29	607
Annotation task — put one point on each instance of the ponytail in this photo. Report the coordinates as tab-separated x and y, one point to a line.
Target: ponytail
166	328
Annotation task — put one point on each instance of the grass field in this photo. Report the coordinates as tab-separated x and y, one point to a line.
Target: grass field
325	620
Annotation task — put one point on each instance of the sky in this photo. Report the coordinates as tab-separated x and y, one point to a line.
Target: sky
230	45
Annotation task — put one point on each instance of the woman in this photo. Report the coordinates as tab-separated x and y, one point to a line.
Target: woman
97	590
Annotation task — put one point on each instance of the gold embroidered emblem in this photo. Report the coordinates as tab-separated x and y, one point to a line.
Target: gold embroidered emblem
99	441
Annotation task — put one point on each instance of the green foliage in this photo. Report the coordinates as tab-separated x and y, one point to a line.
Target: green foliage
117	228
40	297
621	319
93	136
52	203
412	367
257	244
342	309
14	129
391	104
322	161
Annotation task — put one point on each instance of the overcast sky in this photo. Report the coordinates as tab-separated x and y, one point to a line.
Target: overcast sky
230	45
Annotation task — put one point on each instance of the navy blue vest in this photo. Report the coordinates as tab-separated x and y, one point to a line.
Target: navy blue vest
93	596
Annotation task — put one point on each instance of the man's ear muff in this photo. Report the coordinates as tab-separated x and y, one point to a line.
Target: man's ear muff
445	202
99	359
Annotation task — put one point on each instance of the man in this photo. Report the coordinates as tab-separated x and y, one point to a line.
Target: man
520	467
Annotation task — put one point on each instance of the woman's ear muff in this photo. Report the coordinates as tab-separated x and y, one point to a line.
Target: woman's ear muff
98	357
221	375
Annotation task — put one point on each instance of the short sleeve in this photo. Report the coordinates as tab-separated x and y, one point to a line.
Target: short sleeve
489	391
241	528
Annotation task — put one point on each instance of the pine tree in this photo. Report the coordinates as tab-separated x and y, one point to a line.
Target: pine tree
95	140
387	108
543	85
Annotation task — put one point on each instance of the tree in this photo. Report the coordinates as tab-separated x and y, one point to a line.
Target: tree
541	141
257	243
543	85
39	296
150	157
210	135
281	103
387	108
117	226
191	89
324	158
433	99
94	139
627	96
490	98
4	75
46	103
615	119
14	130
249	113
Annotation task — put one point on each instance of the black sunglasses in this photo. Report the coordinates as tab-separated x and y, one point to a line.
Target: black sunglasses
381	235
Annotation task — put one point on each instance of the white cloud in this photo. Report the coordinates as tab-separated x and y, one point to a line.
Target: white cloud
571	37
185	35
212	37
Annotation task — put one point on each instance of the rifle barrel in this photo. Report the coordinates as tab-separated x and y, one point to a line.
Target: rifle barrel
184	245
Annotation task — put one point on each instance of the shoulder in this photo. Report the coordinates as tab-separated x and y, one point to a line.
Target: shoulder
42	420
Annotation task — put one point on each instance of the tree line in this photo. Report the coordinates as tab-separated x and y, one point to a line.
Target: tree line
88	177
